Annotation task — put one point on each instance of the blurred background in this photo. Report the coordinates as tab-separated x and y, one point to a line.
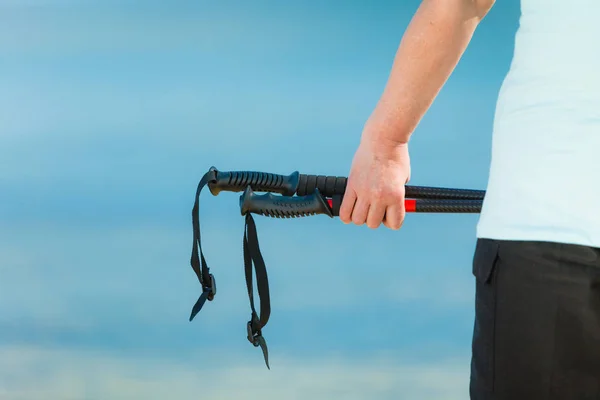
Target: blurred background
111	112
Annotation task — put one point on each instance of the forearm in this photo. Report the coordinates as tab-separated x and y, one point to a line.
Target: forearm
431	48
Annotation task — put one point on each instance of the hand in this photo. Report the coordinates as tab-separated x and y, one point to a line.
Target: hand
375	188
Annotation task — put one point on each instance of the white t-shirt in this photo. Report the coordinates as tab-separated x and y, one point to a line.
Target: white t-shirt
544	179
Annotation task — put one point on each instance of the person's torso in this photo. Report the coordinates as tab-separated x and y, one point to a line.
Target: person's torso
545	172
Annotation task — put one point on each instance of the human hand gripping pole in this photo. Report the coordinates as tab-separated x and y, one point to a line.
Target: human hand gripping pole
292	196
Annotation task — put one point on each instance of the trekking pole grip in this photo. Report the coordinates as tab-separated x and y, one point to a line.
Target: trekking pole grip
237	181
278	206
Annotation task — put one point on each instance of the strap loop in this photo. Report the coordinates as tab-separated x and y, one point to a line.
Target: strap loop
197	261
253	256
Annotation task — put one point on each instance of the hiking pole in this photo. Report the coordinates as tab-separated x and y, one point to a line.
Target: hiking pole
279	206
302	184
290	196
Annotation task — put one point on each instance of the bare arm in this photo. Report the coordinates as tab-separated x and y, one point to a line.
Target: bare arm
428	53
432	46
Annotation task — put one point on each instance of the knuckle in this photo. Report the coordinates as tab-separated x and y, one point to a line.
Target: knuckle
357	220
387	196
398	197
396	224
378	195
373	225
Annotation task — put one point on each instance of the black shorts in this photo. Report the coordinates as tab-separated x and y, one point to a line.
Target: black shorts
537	321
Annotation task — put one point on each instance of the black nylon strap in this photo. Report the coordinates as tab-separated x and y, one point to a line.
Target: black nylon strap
197	261
252	255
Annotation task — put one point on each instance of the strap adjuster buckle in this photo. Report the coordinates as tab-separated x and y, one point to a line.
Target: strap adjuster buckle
253	336
211	288
256	338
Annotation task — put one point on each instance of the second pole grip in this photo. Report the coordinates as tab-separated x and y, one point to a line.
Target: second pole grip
278	206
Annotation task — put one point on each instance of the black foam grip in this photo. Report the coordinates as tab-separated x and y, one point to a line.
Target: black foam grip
328	186
277	206
237	181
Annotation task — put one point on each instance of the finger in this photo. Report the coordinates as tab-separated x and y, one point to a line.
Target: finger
360	211
375	215
394	217
347	206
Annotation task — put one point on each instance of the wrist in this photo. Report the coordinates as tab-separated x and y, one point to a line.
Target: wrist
385	135
387	127
384	146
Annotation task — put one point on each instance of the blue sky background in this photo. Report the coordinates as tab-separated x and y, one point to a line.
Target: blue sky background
110	112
